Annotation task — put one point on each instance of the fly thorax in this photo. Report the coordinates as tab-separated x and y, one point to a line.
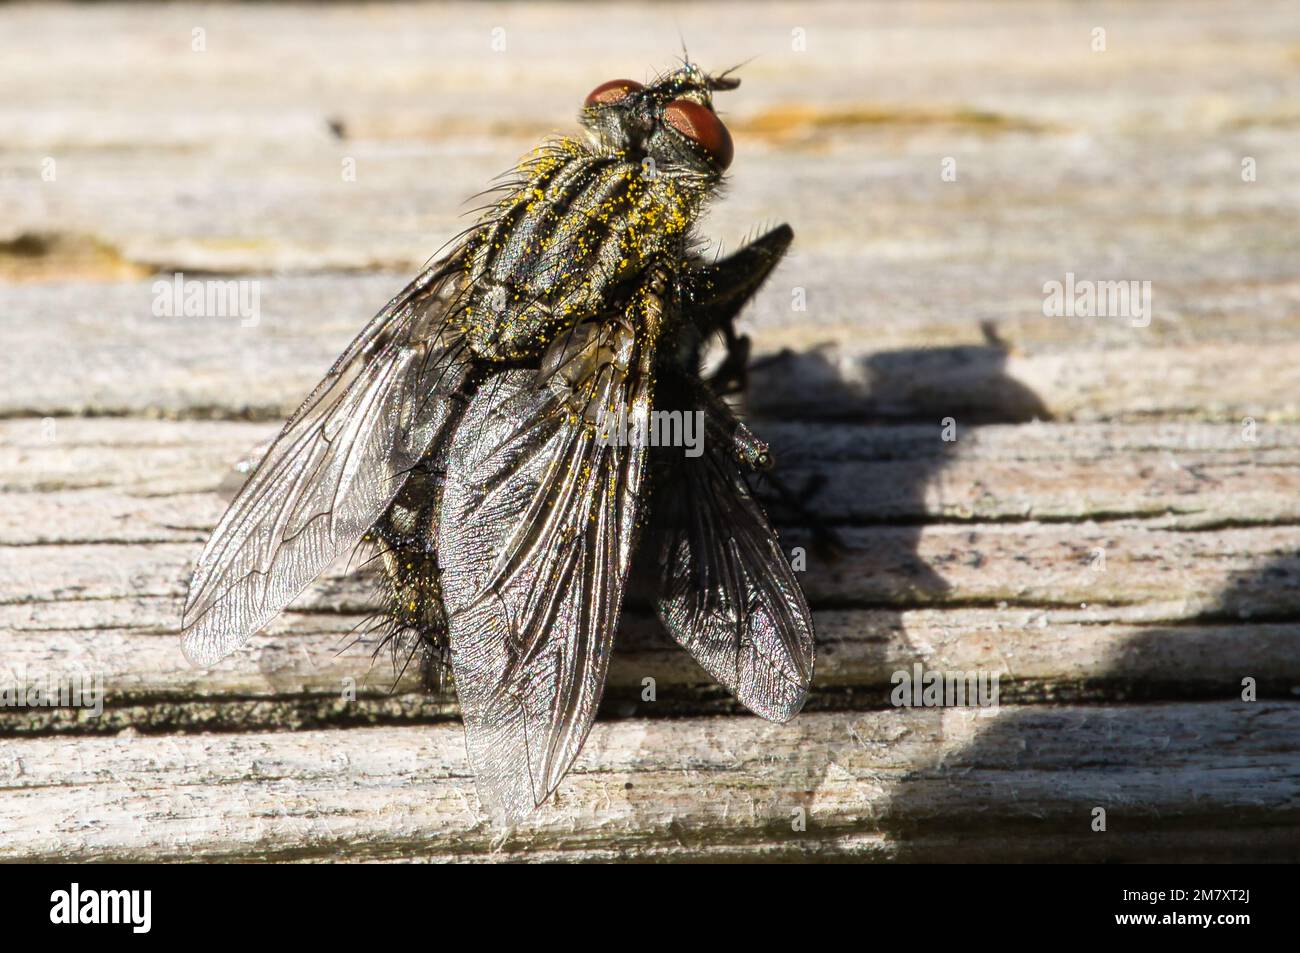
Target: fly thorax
560	249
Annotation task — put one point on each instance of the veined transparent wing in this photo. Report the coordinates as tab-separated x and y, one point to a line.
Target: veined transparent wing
537	528
727	592
334	468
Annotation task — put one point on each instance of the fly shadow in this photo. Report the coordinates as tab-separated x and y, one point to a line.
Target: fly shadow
857	440
1207	743
1208	775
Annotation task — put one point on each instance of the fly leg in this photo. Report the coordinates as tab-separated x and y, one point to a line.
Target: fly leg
732	375
793	506
755	455
719	291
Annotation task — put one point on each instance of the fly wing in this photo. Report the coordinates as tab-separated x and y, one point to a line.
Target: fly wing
333	470
726	591
535	536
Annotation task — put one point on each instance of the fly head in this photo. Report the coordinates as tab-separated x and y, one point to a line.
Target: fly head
671	121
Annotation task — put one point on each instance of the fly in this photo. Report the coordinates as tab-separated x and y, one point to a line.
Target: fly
465	433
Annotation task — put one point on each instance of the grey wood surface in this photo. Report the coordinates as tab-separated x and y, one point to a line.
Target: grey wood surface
1113	530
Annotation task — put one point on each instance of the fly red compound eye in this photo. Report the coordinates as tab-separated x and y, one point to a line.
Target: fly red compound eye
611	92
702	126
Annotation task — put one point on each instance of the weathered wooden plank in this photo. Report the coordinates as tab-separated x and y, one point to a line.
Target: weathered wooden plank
911	297
140	482
1248	570
305	671
1206	781
112	477
106	597
1025	107
91	348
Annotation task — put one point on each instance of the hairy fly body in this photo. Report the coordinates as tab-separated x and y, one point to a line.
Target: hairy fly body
465	433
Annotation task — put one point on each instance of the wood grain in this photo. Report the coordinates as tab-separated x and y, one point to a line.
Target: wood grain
922	785
1102	511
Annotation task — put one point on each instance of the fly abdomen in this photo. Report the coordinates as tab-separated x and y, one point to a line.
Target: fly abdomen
412	623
